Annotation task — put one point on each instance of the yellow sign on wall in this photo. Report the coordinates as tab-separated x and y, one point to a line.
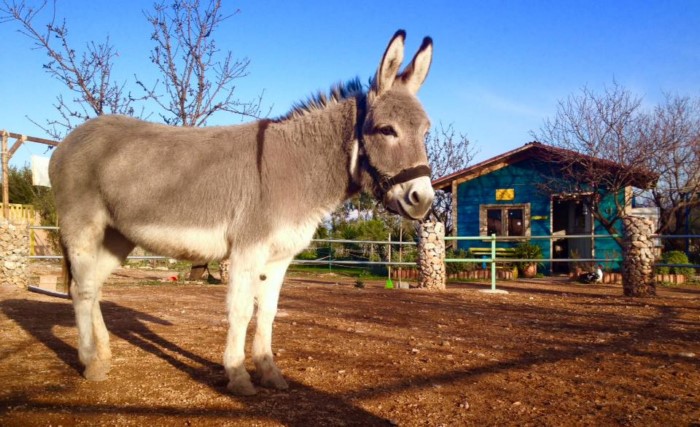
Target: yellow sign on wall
505	194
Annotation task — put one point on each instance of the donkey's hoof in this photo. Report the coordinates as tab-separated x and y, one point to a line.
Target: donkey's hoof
241	388
96	371
274	381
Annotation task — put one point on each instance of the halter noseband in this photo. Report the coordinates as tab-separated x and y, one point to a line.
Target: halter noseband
383	181
386	182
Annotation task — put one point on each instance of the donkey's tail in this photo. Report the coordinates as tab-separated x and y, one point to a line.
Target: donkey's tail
65	268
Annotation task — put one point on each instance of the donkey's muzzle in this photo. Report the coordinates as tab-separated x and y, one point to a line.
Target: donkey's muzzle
411	199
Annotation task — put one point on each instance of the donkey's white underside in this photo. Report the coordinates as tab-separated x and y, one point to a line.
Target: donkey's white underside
259	210
209	242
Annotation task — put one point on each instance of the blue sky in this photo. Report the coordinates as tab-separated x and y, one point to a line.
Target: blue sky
498	70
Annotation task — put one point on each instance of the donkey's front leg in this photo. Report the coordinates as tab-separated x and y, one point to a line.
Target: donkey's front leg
240	302
267	292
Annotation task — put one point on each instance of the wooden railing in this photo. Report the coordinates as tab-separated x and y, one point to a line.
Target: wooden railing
20	214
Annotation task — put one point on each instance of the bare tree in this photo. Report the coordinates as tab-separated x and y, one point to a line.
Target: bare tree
602	151
613	143
197	78
86	73
448	152
676	126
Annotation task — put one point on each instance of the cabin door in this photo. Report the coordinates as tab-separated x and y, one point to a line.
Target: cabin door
571	217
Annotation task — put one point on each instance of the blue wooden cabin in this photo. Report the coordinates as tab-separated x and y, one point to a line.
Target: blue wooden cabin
511	195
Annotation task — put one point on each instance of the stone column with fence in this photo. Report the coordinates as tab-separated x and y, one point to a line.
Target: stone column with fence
14	254
431	255
638	279
224	266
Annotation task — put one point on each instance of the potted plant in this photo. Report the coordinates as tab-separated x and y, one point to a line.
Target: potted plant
530	251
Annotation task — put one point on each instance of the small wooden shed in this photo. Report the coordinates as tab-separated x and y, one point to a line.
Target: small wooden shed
509	195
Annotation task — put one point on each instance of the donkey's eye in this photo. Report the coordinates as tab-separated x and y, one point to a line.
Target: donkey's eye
387	130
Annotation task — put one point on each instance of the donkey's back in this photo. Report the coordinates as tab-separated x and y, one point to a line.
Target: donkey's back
161	187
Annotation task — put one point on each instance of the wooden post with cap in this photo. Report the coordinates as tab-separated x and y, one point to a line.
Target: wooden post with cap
7	153
5	181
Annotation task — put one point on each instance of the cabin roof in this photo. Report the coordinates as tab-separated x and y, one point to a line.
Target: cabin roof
640	179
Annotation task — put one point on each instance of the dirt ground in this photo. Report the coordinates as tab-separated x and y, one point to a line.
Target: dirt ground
544	354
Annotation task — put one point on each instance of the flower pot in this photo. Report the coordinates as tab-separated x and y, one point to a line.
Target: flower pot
530	270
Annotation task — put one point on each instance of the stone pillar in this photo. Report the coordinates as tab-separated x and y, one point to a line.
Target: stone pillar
223	270
638	258
14	254
431	255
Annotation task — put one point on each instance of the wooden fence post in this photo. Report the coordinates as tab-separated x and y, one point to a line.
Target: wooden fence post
5	180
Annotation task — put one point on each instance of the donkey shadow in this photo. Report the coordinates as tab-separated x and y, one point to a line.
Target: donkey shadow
39	318
45	316
40	323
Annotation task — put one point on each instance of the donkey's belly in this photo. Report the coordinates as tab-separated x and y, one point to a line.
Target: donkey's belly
186	243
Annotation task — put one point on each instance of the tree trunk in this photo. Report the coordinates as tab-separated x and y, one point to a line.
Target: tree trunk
609	225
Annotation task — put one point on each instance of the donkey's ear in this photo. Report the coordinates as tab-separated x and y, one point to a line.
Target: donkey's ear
415	73
391	62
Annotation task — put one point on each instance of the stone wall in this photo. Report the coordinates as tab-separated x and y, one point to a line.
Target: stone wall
431	255
638	279
14	254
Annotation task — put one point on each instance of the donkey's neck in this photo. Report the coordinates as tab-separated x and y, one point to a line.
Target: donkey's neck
308	159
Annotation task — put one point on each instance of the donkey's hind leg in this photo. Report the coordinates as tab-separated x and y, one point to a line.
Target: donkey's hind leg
267	293
92	259
114	250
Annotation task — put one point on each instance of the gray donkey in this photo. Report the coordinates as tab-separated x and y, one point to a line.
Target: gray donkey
253	193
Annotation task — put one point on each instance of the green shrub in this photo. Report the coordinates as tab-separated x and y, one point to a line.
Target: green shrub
307	255
408	254
527	250
675	257
457	267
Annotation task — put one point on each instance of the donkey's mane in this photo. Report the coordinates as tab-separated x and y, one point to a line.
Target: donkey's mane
350	89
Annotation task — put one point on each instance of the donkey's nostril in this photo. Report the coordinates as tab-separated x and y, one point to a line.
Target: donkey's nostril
414	197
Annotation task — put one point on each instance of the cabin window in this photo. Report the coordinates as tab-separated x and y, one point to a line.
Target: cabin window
515	222
495	222
505	220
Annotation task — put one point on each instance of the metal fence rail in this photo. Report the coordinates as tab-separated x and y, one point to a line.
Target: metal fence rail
492	259
321	261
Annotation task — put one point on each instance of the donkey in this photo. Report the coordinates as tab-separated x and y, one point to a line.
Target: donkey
252	193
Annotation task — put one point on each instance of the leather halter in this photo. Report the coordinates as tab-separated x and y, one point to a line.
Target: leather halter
383	181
